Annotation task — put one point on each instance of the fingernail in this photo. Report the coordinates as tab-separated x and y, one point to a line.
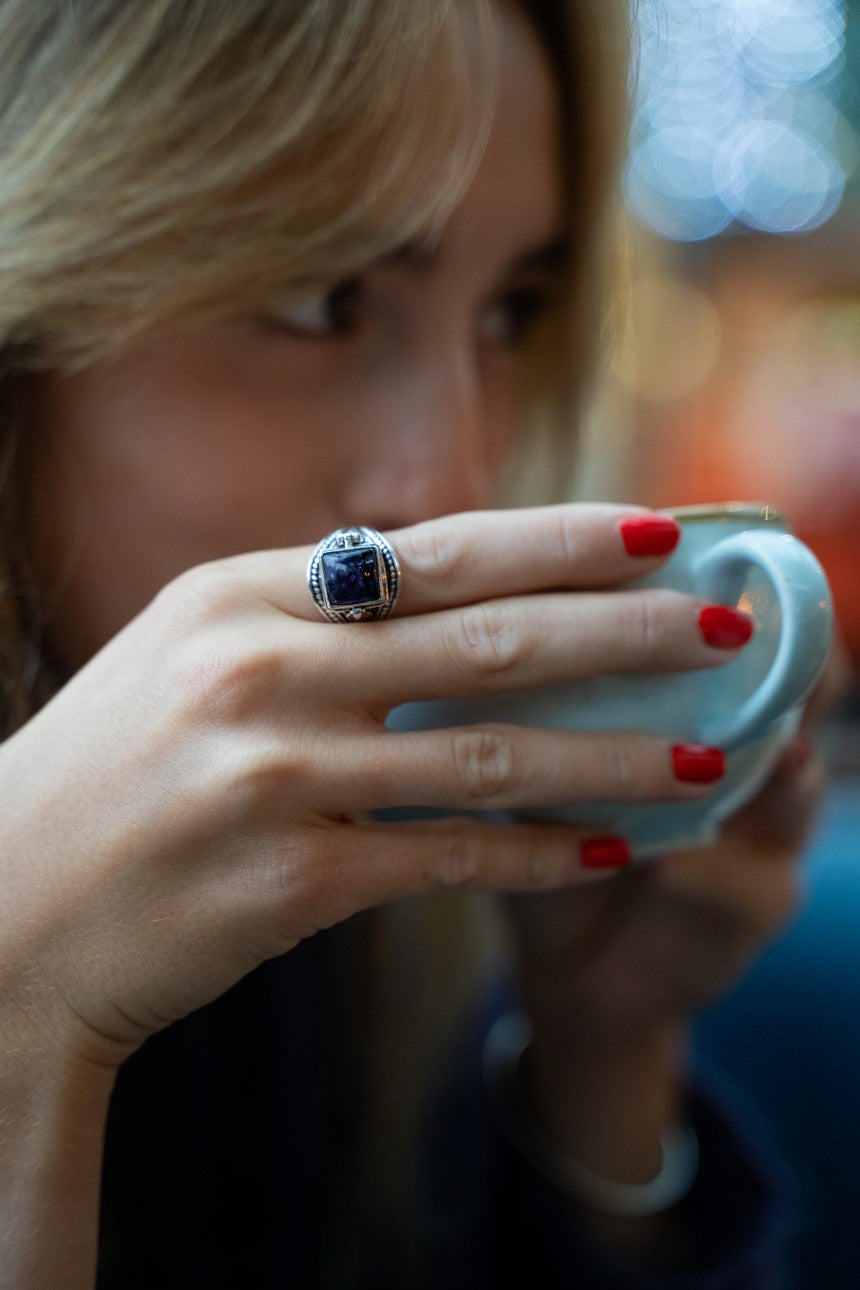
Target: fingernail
698	763
725	628
649	534
605	853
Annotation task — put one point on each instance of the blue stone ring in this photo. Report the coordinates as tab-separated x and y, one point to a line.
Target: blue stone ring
354	576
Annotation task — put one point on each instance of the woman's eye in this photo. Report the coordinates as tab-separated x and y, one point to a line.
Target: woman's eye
509	319
319	314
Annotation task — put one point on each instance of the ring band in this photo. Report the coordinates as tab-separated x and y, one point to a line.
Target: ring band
353	576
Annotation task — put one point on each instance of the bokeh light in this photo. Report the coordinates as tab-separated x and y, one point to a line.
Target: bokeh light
737	118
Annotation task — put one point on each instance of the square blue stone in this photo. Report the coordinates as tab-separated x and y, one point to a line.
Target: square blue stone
351	577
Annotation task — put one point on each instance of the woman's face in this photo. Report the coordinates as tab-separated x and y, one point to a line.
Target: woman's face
388	400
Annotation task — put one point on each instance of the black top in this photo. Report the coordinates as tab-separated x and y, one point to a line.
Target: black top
225	1132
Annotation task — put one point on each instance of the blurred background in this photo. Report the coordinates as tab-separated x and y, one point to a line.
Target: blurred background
742	360
744	181
740	380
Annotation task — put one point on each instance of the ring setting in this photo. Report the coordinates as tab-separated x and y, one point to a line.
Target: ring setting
353	576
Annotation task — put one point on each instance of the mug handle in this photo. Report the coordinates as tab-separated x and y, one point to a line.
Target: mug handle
806	615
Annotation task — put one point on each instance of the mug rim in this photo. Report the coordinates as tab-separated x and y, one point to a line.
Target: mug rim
758	512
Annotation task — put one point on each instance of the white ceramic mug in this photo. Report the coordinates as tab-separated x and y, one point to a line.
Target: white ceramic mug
739	554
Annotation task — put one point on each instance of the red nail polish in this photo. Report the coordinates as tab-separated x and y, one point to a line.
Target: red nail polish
725	628
649	534
605	853
698	763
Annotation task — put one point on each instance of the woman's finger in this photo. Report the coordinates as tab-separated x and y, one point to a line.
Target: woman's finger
479	555
504	767
350	867
514	644
489	648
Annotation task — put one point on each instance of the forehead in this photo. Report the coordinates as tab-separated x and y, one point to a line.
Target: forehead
516	195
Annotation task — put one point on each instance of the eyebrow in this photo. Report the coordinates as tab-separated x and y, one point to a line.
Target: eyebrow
419	256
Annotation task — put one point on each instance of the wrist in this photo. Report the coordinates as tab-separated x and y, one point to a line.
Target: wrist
52	1119
608	1105
592	1148
633	1207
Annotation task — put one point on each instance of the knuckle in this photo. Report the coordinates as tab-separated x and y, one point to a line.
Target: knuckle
619	764
485	761
259	790
435	550
207	591
648	623
459	860
642	625
304	887
489	640
228	684
261	777
569	536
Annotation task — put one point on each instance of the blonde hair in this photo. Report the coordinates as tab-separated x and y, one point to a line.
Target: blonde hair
141	141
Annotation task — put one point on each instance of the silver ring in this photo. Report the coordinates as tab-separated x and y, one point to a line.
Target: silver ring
353	576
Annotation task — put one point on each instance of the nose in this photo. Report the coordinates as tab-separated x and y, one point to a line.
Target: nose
434	446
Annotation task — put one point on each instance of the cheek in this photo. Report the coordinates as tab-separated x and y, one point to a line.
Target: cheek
502	404
133	477
225	463
187	453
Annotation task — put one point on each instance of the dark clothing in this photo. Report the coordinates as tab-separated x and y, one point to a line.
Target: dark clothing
225	1131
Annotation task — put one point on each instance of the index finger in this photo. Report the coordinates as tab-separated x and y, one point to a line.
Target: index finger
480	555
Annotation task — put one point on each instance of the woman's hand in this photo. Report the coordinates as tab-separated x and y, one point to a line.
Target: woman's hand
197	798
613	973
664	938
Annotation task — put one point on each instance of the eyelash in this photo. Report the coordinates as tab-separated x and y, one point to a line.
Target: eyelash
335	310
523	308
334	314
